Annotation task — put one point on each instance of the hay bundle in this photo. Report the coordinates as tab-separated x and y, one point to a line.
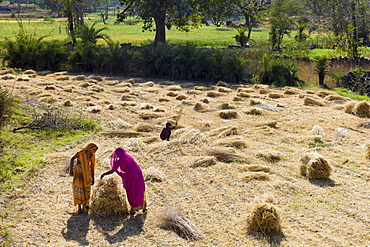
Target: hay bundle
349	107
221	84
224	90
134	145
317	130
269	156
122	90
152	174
226	155
144	127
172	94
315	167
108	197
149	115
324	93
199	106
174	88
203	161
175	220
254	111
148	84
200	88
214	94
249	176
255	168
362	109
253	102
163	99
225	106
334	97
191	136
243	95
223	131
275	95
264	91
236	142
312	102
245	90
272	124
181	97
341	132
237	98
290	90
263	217
146	106
228	114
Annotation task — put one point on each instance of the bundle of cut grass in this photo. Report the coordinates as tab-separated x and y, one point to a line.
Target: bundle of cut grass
175	220
225	106
200	88
249	176
222	129
191	136
224	90
226	155
349	107
214	94
317	130
312	102
203	161
152	174
199	106
272	124
315	167
341	132
148	84
228	114
245	90
255	168
243	95
362	109
264	91
324	93
174	88
254	102
221	84
149	115
181	97
275	95
236	142
144	127
254	111
334	97
134	145
127	97
290	90
269	156
263	217
108	197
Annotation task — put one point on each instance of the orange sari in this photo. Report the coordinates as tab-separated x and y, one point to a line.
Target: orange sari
83	172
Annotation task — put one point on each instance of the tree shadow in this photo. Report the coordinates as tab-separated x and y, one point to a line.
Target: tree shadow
77	228
274	239
323	182
131	225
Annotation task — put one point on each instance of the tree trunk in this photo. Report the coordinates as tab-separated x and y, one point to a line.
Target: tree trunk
160	27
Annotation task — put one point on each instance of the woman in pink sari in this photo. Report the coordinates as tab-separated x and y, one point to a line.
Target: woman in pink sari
132	178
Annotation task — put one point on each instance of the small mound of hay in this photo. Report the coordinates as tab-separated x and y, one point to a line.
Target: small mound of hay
255	168
226	155
175	220
148	84
272	124
253	102
249	176
245	90
225	106
362	109
224	90
221	84
122	90
336	98
312	102
143	127
228	114
223	131
149	115
269	156
236	142
263	217
290	90
204	161
364	124
200	88
214	94
349	107
146	106
163	99
191	136
275	95
134	145
181	97
315	167
243	95
174	88
317	130
199	106
254	111
324	93
172	94
108	197
341	132
264	91
152	174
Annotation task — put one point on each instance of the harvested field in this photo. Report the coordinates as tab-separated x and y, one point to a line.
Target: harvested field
211	170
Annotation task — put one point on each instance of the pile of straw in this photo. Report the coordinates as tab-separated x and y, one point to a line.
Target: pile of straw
317	130
214	94
269	156
255	168
362	109
191	136
275	95
225	106
336	98
341	132
223	131
228	114
236	142
263	217
243	95
315	167
254	111
108	197
312	102
174	220
152	174
134	145
249	176
226	155
349	107
203	161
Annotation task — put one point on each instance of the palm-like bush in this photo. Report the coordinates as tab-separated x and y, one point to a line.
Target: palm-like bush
321	69
91	34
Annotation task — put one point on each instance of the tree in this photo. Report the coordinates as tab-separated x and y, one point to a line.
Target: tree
252	10
321	69
161	14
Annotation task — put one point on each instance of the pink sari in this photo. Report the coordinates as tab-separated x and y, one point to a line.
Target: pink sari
132	177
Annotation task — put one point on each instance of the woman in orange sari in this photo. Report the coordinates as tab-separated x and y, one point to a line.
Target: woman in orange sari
83	172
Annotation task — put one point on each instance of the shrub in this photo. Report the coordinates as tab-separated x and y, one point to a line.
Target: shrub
5	105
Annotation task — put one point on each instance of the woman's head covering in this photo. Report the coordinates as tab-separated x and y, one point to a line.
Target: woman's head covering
90	147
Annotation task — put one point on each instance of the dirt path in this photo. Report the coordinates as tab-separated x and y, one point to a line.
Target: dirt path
215	198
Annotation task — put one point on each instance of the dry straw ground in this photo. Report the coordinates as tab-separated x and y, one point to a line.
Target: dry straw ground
215	167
